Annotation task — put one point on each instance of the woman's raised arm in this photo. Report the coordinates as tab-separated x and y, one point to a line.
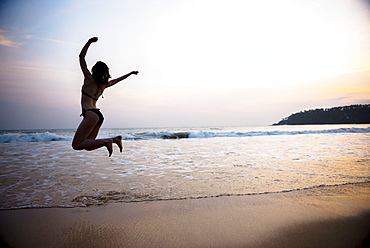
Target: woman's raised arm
114	81
82	55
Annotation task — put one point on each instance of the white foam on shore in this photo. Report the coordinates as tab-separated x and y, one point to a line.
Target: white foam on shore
114	197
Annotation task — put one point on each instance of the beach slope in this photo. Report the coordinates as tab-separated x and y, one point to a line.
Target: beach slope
328	216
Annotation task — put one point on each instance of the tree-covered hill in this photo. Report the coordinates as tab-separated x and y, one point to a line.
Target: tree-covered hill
353	114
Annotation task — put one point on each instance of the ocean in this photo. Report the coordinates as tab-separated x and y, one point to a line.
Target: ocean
40	169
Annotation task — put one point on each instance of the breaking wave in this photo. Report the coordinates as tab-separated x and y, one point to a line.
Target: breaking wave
12	137
32	137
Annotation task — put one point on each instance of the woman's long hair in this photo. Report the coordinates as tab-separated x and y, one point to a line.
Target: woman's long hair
100	73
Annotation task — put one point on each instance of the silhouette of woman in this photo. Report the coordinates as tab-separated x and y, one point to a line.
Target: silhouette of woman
94	85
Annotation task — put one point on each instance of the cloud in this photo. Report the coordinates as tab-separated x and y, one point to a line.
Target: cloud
60	41
29	37
352	71
44	68
6	41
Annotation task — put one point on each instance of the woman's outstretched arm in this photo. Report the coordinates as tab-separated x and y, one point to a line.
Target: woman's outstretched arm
82	55
114	81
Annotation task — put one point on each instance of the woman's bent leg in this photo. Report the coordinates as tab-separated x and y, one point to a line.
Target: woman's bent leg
94	132
82	140
117	140
90	144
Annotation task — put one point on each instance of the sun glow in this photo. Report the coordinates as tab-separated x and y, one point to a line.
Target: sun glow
198	60
246	44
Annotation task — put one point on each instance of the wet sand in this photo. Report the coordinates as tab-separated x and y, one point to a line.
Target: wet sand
331	216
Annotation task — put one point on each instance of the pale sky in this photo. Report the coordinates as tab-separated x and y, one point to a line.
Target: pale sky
200	62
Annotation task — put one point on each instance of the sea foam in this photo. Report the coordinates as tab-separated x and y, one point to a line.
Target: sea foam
31	137
11	137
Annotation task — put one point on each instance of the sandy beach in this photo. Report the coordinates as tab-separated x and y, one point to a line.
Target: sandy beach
330	216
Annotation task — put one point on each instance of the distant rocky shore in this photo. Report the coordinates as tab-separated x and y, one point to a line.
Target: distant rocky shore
353	114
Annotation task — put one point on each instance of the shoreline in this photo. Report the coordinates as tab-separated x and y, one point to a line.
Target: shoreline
113	199
332	216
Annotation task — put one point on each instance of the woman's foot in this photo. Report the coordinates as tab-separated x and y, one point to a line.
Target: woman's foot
118	140
108	144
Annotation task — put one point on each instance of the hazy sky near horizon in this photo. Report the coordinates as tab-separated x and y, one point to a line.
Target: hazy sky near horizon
200	62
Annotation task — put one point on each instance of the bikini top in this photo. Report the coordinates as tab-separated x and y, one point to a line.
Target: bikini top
88	95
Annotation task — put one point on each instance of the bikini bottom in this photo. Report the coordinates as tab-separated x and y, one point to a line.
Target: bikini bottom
96	111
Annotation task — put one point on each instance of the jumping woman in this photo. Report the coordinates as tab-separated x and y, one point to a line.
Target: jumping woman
93	87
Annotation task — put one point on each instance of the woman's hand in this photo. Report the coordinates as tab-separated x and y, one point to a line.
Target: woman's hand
93	39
